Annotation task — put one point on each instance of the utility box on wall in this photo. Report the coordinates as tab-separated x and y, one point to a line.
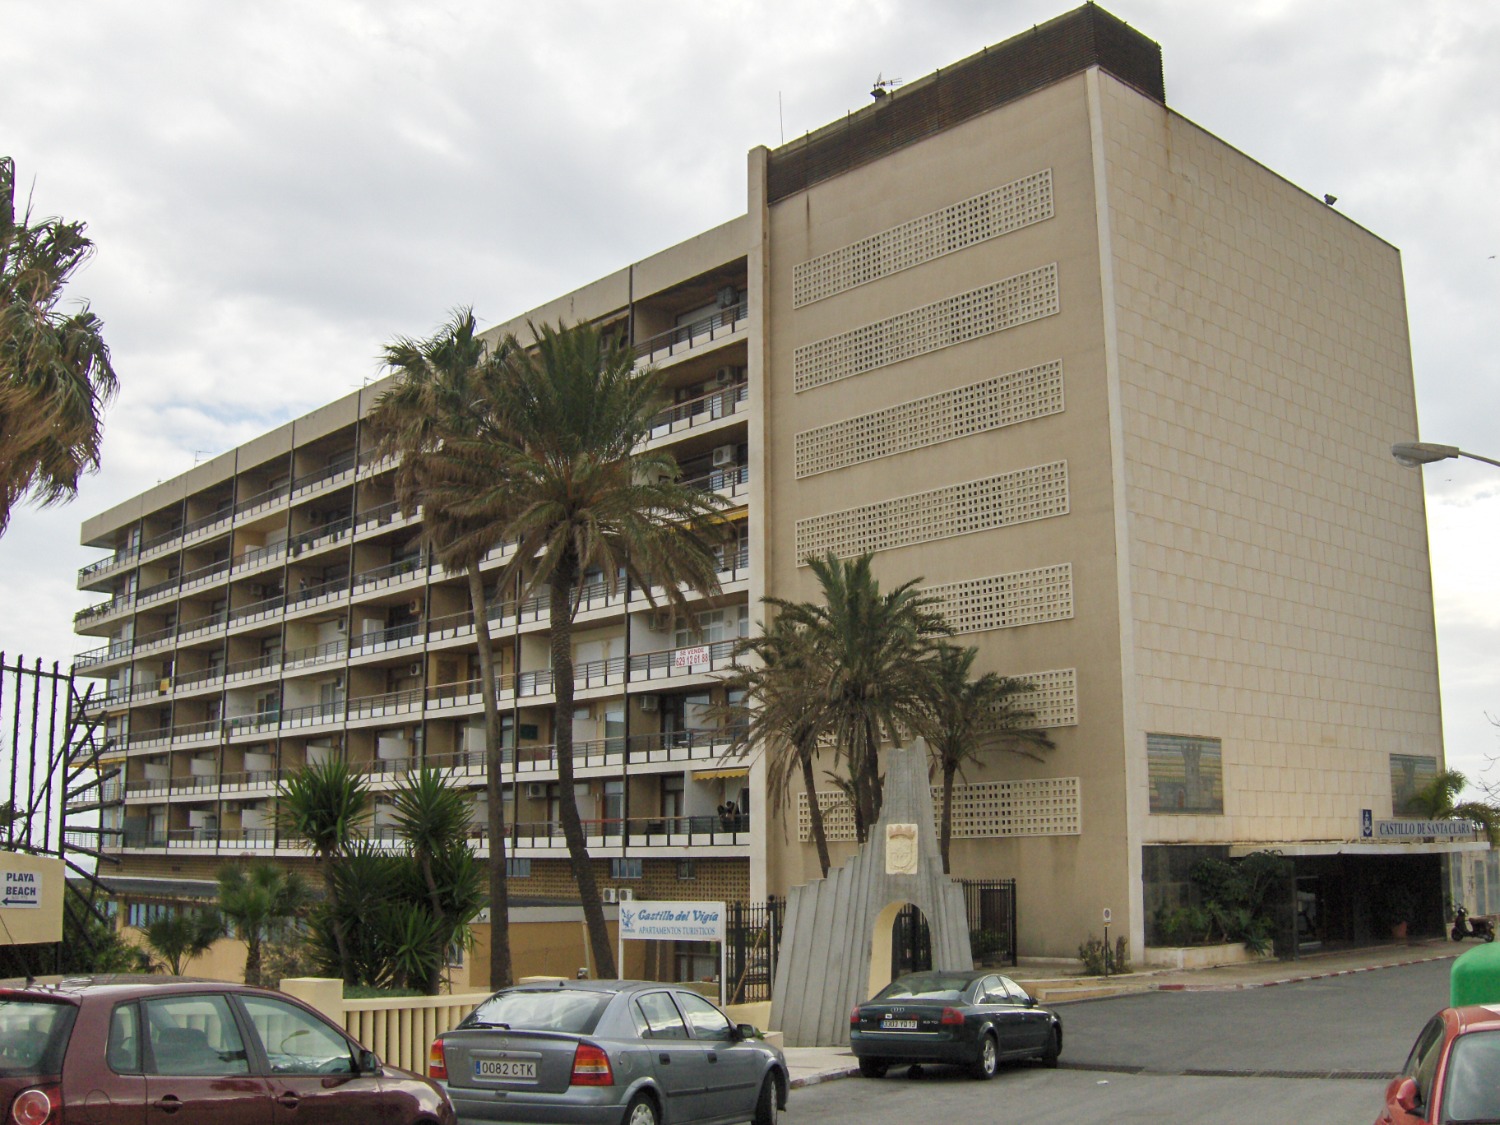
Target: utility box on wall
31	898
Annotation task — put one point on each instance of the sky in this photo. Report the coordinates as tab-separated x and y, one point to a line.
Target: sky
278	188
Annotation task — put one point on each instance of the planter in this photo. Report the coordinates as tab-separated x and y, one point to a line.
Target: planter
1199	956
1398	930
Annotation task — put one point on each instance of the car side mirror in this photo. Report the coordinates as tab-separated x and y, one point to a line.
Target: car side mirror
367	1062
742	1031
1408	1097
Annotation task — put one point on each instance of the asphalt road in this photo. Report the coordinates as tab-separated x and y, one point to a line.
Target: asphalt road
1318	1051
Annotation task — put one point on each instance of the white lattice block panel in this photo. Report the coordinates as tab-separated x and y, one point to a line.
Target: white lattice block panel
1003	400
1006	601
966	316
1047	806
988	215
1055	700
1034	493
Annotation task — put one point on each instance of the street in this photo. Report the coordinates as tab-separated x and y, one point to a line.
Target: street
1317	1051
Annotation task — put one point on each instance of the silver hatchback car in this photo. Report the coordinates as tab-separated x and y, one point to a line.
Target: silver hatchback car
608	1053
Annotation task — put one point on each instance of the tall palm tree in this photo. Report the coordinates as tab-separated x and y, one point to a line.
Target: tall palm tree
258	901
781	714
1438	800
564	475
325	804
968	715
441	394
875	657
55	372
181	935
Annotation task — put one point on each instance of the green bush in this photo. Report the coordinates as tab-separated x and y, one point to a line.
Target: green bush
1092	953
985	943
1183	925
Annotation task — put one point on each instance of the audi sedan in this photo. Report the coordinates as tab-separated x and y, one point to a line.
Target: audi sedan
118	1050
608	1053
972	1019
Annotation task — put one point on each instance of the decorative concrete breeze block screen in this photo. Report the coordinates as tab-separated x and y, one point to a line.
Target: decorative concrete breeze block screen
990	404
1005	601
989	215
1034	493
1047	806
966	316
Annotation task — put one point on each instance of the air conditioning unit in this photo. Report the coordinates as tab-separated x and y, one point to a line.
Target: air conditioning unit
341	626
723	455
414	606
728	296
536	790
649	704
611	895
626	894
725	376
415	668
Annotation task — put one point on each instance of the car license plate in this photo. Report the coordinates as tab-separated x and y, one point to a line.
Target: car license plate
505	1068
898	1025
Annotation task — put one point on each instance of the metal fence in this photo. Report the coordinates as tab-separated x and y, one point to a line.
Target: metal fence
991	908
752	938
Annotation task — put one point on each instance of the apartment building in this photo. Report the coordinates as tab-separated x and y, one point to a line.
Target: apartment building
1119	396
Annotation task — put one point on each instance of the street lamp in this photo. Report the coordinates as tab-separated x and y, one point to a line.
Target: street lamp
1417	453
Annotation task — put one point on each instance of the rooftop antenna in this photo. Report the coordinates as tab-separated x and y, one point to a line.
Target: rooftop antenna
199	455
882	85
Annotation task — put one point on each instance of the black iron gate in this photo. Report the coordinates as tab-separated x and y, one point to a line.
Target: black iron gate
911	942
60	801
991	908
752	936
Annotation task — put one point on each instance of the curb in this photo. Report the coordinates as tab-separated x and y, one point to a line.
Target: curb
1296	979
826	1076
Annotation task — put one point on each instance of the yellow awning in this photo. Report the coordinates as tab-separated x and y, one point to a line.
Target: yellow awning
711	775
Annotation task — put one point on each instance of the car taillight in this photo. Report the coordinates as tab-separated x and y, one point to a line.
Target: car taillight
40	1105
951	1016
591	1067
437	1062
854	1016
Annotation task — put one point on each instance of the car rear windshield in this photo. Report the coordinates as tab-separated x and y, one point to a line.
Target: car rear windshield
33	1036
932	986
571	1010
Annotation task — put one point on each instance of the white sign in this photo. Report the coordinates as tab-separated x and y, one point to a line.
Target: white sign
1415	829
688	657
1109	915
672	921
22	889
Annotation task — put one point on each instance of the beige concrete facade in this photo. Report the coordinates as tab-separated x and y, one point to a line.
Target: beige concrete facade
1118	394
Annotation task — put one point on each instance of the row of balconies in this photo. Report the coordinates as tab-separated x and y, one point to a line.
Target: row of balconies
734	568
718	403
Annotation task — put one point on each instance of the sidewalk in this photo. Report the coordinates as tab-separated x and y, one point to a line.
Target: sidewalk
811	1065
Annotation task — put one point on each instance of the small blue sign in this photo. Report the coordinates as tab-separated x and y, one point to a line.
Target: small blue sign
1366	823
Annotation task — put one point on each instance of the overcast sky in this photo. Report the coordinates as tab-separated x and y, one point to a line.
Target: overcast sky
278	188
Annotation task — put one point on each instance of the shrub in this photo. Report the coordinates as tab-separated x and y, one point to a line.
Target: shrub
985	943
1094	951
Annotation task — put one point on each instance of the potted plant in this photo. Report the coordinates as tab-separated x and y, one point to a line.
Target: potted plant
1397	904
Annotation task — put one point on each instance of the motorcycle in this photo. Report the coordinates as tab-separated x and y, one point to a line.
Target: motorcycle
1480	928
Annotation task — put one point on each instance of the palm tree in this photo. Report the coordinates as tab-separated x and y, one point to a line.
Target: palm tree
55	372
781	714
1438	800
874	663
438	398
325	804
563	474
259	901
968	715
182	935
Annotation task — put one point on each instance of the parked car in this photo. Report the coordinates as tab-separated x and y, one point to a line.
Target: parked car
1452	1073
973	1019
621	1052
101	1050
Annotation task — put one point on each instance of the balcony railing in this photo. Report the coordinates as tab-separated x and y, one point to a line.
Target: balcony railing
321	536
257	555
386	703
716	404
336	467
256	666
103	609
319	591
687	336
690	660
264	498
119	558
389	573
314	654
396	636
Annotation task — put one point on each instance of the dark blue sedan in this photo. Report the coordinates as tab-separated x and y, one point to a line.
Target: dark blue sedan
974	1019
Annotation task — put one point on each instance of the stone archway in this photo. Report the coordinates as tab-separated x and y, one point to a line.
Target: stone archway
884	943
836	941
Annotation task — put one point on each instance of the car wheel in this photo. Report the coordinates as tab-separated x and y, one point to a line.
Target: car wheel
1489	935
989	1058
873	1068
1049	1056
765	1107
641	1111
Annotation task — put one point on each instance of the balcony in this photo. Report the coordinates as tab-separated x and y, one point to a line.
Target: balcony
324	535
384	640
391	574
385	704
260	502
698	334
205	731
103	655
258	610
637	833
104	609
337	470
105	567
205	575
699	411
690	660
314	655
259	556
311	594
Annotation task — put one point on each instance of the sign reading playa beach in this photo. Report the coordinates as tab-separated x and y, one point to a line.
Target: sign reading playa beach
672	921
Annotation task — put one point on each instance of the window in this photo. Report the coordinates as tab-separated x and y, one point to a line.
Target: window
195	1035
626	869
517	868
1186	774
706	1021
1410	774
296	1042
123	1052
663	1021
687	870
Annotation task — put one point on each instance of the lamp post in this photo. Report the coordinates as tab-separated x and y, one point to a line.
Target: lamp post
1417	453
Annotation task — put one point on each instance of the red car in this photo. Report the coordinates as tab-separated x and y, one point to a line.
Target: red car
118	1050
1452	1073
